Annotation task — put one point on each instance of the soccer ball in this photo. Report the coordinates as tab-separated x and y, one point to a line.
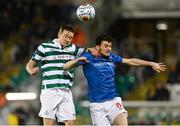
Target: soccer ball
85	12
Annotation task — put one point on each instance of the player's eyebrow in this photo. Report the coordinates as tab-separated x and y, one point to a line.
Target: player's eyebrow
68	36
108	44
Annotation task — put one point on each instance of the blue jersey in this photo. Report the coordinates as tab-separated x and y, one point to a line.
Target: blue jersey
99	73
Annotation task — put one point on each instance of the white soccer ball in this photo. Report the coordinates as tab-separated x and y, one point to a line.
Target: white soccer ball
85	12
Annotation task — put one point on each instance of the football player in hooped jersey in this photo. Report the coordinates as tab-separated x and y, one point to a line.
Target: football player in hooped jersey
56	98
105	106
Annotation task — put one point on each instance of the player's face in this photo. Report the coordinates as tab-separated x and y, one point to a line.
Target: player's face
65	37
105	48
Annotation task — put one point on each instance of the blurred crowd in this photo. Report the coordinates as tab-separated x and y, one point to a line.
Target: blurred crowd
25	23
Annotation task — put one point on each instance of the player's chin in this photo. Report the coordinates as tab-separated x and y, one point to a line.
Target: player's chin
107	54
67	42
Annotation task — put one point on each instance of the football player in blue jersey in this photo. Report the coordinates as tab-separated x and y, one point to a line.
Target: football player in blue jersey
105	105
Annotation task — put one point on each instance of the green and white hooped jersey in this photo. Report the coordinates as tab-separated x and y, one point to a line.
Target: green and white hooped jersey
52	57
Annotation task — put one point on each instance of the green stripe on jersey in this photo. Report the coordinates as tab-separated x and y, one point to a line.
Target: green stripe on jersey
54	61
49	46
35	60
76	51
40	53
55	86
52	68
52	53
55	68
50	77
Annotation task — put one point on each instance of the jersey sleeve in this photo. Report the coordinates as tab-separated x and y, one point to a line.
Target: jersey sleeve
79	50
116	58
38	54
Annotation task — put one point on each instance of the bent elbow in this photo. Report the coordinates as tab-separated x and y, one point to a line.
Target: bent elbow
28	68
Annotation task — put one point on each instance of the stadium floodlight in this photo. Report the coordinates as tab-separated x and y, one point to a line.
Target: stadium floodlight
161	26
21	96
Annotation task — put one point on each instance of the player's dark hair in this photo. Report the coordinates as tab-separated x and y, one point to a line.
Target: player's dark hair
101	38
66	27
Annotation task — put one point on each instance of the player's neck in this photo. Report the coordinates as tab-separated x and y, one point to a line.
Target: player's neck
105	57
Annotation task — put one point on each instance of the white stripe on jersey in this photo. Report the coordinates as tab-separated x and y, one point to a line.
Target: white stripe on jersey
57	72
37	57
50	49
60	57
41	49
53	72
81	50
50	44
54	81
53	65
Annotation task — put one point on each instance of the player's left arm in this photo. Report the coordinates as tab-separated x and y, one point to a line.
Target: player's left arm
31	67
74	63
159	67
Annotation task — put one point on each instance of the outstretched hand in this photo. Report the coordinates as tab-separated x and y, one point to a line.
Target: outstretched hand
94	51
158	67
84	59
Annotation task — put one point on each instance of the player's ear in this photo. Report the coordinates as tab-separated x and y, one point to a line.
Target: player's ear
59	34
97	47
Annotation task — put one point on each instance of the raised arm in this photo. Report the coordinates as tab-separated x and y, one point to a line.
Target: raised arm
159	67
73	63
31	67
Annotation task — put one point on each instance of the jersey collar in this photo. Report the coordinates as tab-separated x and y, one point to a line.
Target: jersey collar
102	57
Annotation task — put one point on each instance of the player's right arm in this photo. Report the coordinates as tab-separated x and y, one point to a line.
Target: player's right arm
38	55
74	63
31	67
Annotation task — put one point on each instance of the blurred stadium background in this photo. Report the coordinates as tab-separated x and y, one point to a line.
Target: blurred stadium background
147	29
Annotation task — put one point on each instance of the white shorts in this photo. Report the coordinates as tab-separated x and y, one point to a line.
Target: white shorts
105	113
57	104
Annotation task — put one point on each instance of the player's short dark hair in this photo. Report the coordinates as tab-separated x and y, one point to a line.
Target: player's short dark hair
66	27
101	38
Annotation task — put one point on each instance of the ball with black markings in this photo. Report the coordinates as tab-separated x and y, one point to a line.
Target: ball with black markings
85	12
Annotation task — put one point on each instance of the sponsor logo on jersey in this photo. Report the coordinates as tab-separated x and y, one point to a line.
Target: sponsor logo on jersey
64	57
